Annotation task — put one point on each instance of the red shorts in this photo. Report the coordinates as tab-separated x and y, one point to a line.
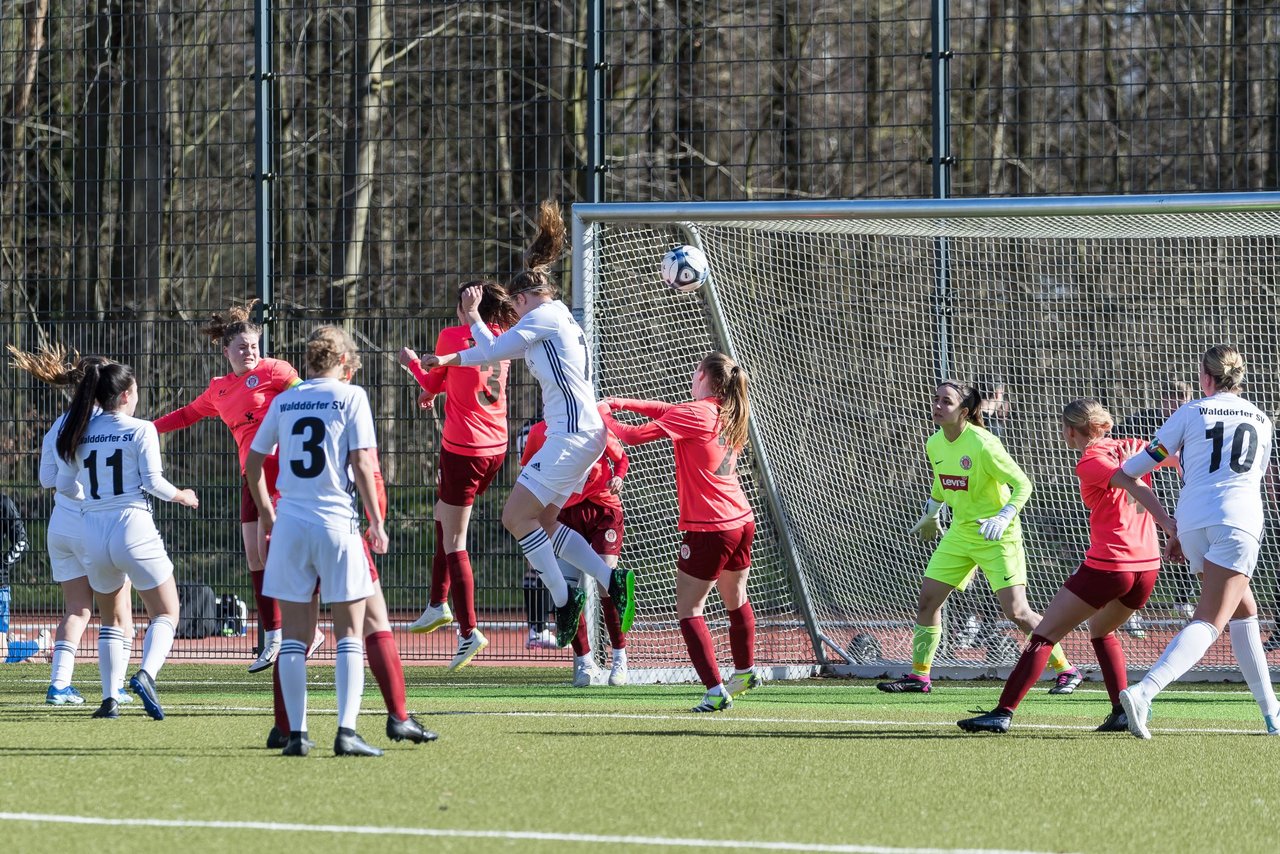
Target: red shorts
460	479
706	554
368	553
249	510
1098	587
601	526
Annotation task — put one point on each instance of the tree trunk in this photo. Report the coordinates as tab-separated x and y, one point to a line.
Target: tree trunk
101	45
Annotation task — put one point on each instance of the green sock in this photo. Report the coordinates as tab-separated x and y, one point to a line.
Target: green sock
1058	659
924	643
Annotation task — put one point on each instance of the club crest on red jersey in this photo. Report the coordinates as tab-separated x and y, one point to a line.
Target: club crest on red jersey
611	536
956	482
685	551
966	463
252	381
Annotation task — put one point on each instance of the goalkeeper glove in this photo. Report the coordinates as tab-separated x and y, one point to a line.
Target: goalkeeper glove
929	526
993	527
15	552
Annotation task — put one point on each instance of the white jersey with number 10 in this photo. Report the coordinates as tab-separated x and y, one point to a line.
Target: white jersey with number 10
1224	445
317	424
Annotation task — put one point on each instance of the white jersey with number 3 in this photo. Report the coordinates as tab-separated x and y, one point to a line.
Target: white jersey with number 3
317	424
1224	445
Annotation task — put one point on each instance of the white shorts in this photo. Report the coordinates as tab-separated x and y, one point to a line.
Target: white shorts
561	466
1230	548
120	544
66	545
302	552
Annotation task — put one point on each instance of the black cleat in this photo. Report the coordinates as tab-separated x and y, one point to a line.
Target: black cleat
909	684
409	729
622	590
1117	721
276	740
144	686
994	721
298	745
567	616
349	744
109	709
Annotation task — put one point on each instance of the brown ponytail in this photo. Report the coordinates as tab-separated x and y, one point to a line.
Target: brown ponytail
102	384
223	327
495	306
728	382
547	247
970	399
55	365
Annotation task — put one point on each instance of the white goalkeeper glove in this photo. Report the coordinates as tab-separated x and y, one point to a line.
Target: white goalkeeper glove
929	526
993	527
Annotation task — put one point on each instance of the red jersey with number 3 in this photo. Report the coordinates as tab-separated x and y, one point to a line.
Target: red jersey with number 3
596	489
707	487
1122	534
475	402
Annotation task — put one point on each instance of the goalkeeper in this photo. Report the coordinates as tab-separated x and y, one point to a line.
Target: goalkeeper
975	476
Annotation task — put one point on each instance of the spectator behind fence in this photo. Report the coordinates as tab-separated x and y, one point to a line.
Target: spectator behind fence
14	544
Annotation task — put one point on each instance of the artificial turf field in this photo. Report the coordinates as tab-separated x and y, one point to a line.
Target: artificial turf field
526	763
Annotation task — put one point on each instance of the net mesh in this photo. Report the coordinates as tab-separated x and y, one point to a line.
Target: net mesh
844	328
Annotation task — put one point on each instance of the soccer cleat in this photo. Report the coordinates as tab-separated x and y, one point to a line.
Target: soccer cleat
1138	711
1273	726
909	684
993	721
1066	682
316	642
618	673
409	729
467	649
544	639
713	701
622	590
741	683
267	656
297	745
585	673
568	614
144	686
123	697
1117	721
67	696
109	709
277	740
347	743
434	617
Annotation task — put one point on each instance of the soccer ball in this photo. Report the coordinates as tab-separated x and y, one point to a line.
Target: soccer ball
685	268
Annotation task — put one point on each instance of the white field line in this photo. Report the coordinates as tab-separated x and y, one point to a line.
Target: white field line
510	835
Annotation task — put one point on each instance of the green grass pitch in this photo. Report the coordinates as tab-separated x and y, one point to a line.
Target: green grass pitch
526	763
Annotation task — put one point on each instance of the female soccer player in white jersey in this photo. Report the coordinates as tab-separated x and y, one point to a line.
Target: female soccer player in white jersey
1224	443
112	460
553	346
57	367
324	430
975	476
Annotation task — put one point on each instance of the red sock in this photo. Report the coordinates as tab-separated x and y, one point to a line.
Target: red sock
742	636
702	651
277	701
464	591
581	641
439	571
1111	661
268	609
613	622
384	661
1035	657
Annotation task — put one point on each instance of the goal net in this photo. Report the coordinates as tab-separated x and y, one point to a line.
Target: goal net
846	315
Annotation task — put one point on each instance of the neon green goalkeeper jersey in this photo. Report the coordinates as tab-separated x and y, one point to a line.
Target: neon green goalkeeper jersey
975	477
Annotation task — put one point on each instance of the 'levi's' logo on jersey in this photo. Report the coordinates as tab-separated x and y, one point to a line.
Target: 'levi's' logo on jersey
959	483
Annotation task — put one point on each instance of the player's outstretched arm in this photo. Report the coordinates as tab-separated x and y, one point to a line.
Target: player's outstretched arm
1147	498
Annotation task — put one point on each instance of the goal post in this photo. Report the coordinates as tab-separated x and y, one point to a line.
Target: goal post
843	313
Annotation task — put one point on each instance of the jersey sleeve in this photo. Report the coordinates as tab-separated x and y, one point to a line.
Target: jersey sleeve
268	432
360	430
150	467
647	408
617	455
1170	437
686	421
49	458
509	345
1009	472
201	407
635	434
283	375
1096	472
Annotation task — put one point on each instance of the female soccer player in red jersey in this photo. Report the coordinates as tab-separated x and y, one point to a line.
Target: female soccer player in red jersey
709	433
595	512
240	398
1117	575
473	446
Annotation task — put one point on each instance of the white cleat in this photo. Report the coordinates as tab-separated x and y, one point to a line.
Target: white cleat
545	639
618	673
1138	711
268	657
316	642
586	674
434	617
468	648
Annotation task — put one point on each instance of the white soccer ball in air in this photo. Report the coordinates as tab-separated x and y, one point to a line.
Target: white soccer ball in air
685	268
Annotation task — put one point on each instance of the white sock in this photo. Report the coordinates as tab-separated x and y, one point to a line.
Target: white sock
111	663
64	661
128	656
349	679
619	656
271	637
536	546
583	660
156	644
574	548
1246	645
292	664
1183	652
